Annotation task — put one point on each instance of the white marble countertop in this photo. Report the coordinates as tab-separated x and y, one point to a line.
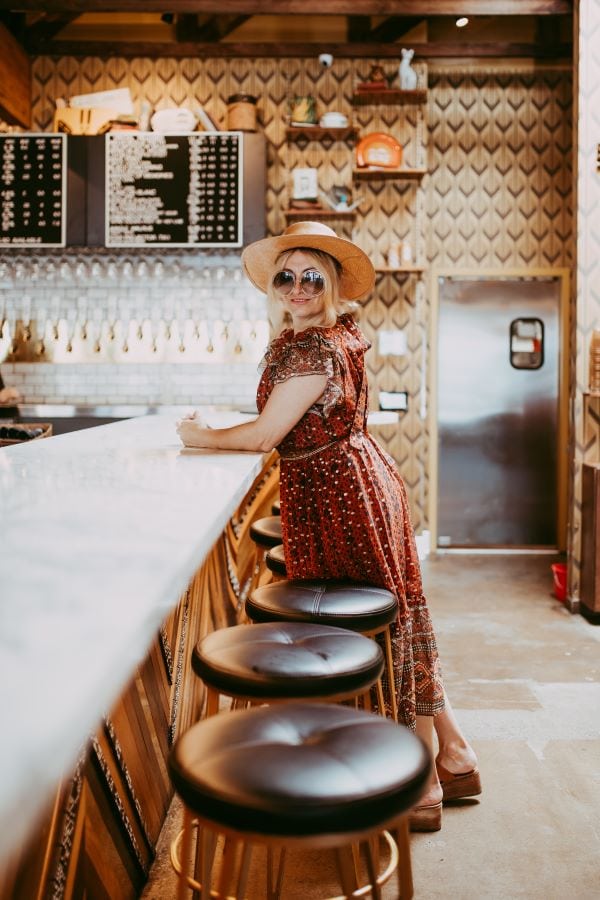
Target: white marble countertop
100	532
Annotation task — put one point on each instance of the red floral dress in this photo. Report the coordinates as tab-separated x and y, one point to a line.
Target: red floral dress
344	509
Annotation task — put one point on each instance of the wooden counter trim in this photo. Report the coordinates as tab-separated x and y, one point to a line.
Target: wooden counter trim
100	834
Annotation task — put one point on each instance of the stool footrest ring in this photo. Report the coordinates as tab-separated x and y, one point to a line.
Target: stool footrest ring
365	890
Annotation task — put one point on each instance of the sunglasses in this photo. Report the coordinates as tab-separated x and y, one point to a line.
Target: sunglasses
312	283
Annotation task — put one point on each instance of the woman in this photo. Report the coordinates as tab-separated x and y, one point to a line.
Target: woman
344	510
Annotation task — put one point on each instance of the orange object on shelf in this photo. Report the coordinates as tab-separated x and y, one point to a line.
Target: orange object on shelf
379	149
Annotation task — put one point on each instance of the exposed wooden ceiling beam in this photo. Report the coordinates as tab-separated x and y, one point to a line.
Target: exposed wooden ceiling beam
394	27
15	81
349	51
306	7
358	28
45	29
360	31
215	28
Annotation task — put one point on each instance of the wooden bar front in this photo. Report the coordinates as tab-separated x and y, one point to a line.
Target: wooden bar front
98	839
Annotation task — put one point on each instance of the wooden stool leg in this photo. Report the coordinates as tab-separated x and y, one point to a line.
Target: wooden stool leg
356	861
389	662
212	702
371	857
244	869
230	848
275	880
346	864
405	881
209	846
257	569
186	846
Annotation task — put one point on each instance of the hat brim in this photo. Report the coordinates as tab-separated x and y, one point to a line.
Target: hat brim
357	277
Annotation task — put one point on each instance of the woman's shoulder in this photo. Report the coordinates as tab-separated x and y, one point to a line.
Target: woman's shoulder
343	333
351	330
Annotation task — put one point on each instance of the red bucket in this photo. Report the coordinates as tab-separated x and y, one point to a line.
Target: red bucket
559	573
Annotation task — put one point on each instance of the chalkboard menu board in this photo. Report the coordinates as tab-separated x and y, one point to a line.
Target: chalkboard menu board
33	180
175	190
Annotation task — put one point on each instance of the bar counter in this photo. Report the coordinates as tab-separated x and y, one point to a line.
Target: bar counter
102	532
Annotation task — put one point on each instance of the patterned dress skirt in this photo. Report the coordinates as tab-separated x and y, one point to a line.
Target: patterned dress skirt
362	531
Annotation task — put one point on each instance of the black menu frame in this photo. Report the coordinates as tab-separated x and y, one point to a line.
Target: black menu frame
36	235
197	203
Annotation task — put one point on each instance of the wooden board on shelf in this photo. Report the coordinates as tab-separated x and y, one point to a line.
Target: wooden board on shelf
316	132
312	214
371	174
408	269
364	98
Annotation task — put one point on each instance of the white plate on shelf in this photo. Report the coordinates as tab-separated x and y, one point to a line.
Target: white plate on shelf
175	120
333	120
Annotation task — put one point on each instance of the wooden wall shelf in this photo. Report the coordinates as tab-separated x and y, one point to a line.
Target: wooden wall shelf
397	174
316	214
366	98
317	133
401	270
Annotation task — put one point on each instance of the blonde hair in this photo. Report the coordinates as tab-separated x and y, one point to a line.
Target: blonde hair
333	304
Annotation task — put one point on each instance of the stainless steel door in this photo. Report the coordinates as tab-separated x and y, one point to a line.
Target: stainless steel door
498	370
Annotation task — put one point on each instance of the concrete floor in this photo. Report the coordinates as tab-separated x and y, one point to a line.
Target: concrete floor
524	678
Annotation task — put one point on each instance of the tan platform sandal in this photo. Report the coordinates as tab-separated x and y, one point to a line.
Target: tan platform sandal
457	787
426	818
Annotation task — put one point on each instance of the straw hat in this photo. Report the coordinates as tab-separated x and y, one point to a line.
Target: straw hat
357	277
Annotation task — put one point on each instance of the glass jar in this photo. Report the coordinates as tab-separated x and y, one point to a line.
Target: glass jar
241	112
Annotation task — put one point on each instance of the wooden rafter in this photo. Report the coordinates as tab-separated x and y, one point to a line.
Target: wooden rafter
215	28
47	27
15	81
248	50
394	27
358	28
305	7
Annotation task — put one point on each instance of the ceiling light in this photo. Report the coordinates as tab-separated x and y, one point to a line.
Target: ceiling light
460	23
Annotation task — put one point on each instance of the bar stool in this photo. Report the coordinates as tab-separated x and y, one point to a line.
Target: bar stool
275	561
298	775
266	533
365	608
281	661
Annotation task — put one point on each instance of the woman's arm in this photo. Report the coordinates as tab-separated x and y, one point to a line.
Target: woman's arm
288	402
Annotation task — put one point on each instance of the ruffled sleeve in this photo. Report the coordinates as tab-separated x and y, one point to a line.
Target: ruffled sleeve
309	353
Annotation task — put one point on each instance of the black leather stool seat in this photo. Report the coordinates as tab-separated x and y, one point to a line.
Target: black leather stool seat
276	508
299	769
266	531
348	604
285	660
275	560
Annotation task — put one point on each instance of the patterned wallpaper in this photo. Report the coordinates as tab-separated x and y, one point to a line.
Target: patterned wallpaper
497	145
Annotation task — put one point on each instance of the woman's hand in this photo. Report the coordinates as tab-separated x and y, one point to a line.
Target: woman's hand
190	429
9	395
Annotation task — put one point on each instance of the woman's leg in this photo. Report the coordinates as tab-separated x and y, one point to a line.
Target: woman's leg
455	753
427	816
433	794
456	762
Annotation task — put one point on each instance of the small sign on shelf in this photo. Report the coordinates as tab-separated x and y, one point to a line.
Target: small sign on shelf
394	400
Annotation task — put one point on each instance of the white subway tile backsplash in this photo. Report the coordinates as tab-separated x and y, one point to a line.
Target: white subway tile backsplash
199	296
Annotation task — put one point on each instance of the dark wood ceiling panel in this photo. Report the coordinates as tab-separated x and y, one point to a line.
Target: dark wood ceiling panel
48	27
215	28
248	50
394	27
305	7
358	28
